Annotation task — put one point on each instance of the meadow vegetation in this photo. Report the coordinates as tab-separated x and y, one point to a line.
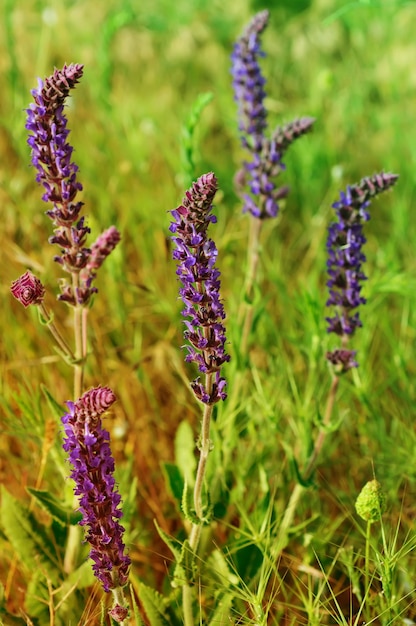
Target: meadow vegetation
143	128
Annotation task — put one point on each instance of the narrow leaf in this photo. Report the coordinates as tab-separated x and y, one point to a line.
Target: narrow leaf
28	537
173	545
221	616
173	480
58	511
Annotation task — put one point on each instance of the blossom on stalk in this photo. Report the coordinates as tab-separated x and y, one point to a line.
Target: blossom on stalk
196	255
57	173
28	289
345	259
266	153
248	82
87	444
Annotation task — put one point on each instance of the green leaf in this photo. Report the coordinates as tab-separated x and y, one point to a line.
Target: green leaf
173	480
188	135
28	537
154	606
187	506
82	577
221	616
59	512
184	573
37	598
138	620
185	451
220	569
170	542
56	409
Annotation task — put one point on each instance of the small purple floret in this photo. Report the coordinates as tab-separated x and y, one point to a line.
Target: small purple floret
88	446
204	312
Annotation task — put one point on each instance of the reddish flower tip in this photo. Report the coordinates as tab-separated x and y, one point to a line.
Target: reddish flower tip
28	289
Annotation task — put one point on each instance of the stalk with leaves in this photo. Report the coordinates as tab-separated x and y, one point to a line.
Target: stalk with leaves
345	278
256	180
51	155
196	255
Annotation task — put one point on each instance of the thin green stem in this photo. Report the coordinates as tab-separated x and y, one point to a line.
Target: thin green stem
367	571
80	337
323	431
299	489
53	329
195	533
205	449
246	313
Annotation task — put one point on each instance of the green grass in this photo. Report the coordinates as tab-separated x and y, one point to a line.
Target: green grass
349	65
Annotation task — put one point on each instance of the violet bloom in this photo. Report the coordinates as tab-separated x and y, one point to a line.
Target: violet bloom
52	157
28	289
87	444
345	259
265	153
196	256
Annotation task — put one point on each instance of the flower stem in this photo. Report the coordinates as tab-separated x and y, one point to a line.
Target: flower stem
253	257
53	329
299	489
366	568
73	541
195	533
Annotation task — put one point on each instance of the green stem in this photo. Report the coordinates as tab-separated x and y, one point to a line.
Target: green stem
53	329
80	336
195	533
287	520
366	572
246	313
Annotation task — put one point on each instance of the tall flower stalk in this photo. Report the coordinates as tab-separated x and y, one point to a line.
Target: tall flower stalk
256	181
51	155
203	311
88	446
345	278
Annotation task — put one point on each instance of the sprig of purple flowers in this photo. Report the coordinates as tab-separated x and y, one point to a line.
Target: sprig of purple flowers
266	153
57	173
345	259
88	446
196	255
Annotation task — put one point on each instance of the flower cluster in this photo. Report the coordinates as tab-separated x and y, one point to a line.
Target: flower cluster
266	153
204	312
345	259
371	502
87	444
248	82
28	289
57	173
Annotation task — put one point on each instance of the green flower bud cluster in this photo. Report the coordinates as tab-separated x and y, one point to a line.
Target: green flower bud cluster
371	502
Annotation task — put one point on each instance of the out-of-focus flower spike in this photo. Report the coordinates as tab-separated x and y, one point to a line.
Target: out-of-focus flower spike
345	258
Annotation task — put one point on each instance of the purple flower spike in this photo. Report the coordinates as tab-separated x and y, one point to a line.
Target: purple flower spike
51	153
204	312
87	444
28	289
345	259
248	82
265	162
52	157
